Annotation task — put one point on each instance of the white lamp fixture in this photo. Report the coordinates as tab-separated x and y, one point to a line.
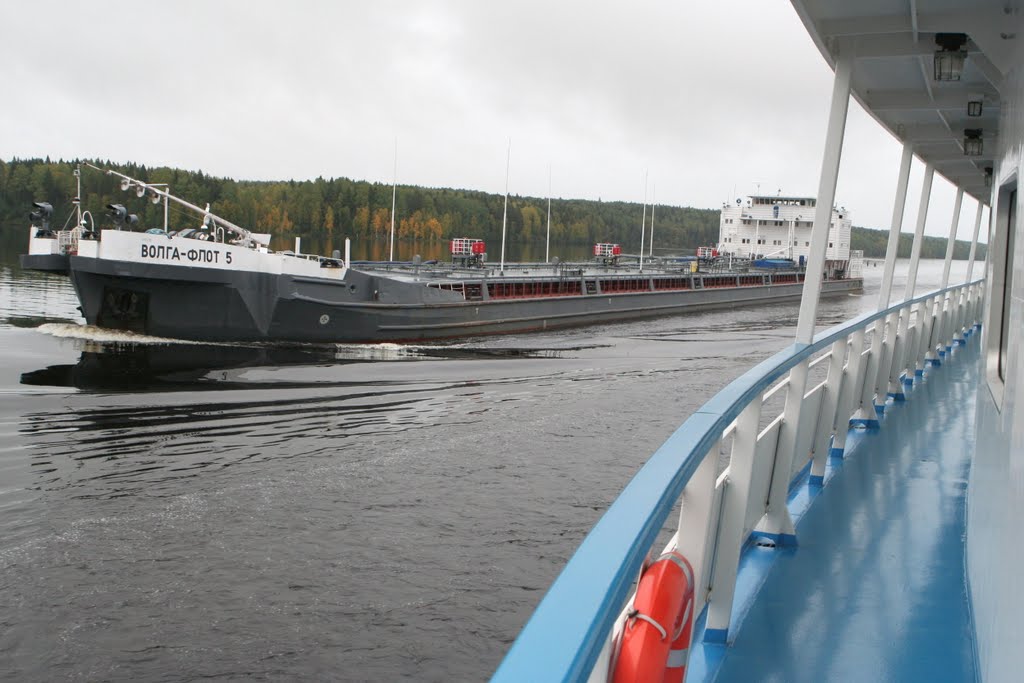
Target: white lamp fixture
949	58
973	146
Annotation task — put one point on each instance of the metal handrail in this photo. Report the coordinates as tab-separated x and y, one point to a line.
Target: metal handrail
567	632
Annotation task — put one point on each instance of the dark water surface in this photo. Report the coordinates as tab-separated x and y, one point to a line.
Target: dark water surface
174	511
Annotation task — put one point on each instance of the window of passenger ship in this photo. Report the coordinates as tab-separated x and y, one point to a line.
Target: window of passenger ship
1002	247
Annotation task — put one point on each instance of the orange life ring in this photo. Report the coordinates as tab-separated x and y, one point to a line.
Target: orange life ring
656	636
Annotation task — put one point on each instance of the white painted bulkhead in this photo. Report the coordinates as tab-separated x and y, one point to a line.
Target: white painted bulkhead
995	511
779	227
136	247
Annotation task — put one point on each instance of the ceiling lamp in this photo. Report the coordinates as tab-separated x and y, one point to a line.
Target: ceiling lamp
988	176
973	146
949	58
974	105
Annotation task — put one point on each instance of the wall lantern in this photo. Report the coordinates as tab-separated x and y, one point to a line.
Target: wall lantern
949	58
973	146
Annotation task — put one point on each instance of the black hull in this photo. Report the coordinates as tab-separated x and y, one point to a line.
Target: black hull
206	304
47	263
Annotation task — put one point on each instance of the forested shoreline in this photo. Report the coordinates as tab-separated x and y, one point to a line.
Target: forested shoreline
323	212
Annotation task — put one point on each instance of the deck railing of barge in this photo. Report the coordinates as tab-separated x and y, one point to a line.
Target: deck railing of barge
569	636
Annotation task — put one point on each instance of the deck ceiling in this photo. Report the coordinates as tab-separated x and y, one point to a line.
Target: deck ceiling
893	45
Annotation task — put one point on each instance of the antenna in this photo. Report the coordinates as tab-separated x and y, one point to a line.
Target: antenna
643	224
547	246
504	215
394	194
654	192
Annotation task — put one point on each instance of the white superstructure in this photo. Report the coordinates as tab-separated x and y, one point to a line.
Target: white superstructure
780	227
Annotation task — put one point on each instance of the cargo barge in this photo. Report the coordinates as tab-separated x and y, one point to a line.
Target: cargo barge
220	282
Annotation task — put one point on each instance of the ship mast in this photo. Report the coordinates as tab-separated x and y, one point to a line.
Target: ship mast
394	194
547	245
504	216
643	225
654	192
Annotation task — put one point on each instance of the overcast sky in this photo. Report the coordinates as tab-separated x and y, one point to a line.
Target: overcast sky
711	100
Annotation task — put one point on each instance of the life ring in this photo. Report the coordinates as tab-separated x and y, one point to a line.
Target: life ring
656	636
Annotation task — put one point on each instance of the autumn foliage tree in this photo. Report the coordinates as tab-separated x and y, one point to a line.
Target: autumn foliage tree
325	211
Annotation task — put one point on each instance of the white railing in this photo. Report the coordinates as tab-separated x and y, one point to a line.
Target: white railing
571	634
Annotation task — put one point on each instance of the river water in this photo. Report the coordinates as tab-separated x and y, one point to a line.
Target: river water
176	511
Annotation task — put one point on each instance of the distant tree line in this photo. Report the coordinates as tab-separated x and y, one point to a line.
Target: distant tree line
323	212
874	243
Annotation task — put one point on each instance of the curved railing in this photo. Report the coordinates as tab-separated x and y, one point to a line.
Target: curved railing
569	636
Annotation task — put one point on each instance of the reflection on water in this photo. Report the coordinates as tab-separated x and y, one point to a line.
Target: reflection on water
151	364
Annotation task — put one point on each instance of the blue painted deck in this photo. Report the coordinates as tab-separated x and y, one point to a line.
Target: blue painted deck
876	590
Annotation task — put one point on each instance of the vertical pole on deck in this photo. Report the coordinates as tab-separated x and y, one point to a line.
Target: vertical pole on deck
901	349
777	521
394	197
908	357
922	217
643	225
878	372
654	193
899	206
547	242
970	262
504	215
974	241
939	335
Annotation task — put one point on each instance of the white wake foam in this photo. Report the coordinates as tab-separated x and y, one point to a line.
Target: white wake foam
102	335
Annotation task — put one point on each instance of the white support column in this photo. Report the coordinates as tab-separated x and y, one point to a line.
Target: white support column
777	521
908	347
939	336
876	384
960	322
971	320
730	525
